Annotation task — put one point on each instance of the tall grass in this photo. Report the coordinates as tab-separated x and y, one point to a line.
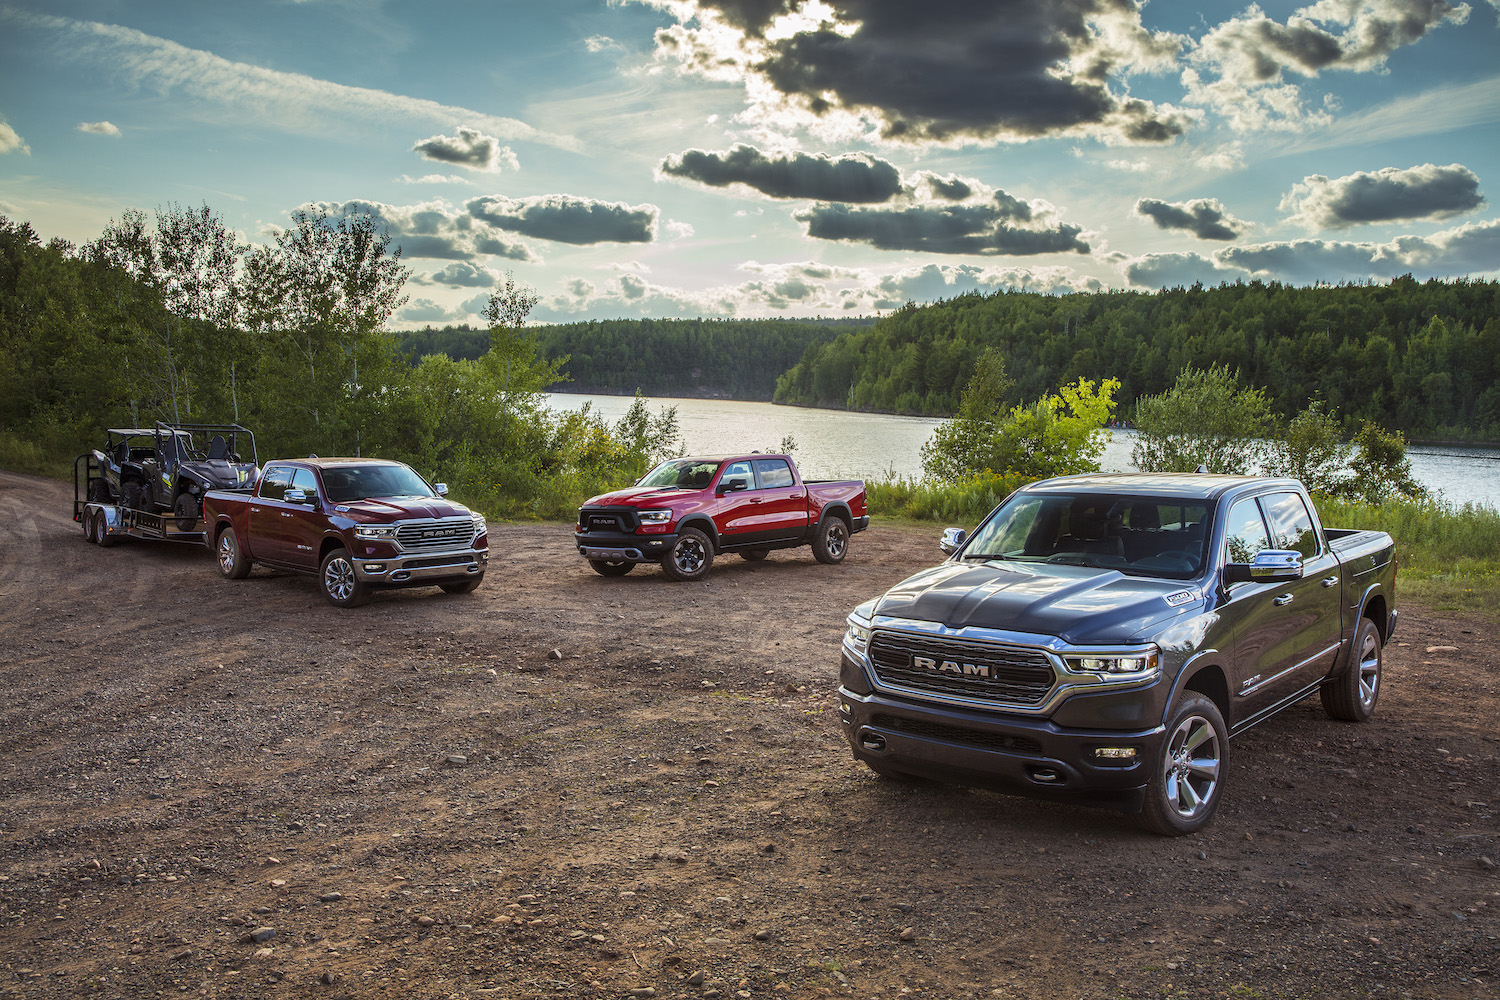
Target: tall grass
964	503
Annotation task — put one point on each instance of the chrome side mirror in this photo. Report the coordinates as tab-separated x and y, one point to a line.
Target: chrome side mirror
952	540
1267	566
442	489
295	496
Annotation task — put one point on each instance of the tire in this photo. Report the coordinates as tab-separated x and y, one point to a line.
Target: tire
232	562
1187	777
99	491
463	586
339	581
891	774
1351	696
690	558
754	555
133	495
188	509
101	530
831	543
88	527
605	568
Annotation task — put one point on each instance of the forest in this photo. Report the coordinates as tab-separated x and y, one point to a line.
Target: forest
1419	357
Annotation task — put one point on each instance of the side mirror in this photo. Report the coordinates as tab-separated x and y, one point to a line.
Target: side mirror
952	540
1268	566
442	489
731	486
295	496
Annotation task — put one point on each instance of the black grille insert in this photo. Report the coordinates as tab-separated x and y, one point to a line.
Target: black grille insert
995	672
1003	742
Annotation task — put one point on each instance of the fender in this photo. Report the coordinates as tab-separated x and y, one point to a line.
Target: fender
705	524
1192	667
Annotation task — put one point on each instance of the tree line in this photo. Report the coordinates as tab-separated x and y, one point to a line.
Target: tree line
1419	357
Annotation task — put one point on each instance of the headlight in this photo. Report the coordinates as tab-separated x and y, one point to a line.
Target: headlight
480	527
858	634
1135	662
376	532
655	516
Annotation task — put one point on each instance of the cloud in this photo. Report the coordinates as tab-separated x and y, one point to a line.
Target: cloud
1245	58
598	43
1420	192
460	274
470	149
10	142
434	179
567	219
98	128
948	73
679	230
207	87
924	220
1176	270
431	230
428	311
854	177
1228	157
1205	218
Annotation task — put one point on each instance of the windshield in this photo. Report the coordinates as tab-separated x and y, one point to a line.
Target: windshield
682	473
1141	536
363	482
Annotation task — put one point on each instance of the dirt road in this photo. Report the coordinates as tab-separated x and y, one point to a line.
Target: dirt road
236	790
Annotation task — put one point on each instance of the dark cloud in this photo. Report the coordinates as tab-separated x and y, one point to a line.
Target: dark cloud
461	274
1205	218
1422	192
431	230
565	219
1464	250
1176	270
970	228
857	177
470	148
950	188
949	70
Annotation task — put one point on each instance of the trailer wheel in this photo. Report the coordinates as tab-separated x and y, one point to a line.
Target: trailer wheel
101	530
232	562
340	582
88	527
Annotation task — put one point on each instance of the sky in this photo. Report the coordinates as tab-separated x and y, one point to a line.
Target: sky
777	158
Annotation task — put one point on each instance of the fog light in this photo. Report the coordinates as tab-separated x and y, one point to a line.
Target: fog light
1115	753
374	567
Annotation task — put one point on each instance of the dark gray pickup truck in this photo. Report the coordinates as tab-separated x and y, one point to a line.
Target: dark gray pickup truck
1100	638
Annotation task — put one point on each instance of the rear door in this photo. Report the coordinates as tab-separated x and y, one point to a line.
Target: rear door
783	504
304	521
270	527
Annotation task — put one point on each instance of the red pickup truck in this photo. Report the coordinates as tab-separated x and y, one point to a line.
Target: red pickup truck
358	523
688	509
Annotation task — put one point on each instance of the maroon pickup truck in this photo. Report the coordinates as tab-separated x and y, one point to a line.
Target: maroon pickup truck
358	523
688	509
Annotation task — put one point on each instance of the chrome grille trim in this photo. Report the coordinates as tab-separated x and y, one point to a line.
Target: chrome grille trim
1015	675
436	534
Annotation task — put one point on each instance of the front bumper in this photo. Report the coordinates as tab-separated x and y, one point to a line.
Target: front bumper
416	569
610	546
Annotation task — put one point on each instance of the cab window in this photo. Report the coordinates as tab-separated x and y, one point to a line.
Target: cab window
737	472
274	484
1291	524
773	473
1244	532
307	482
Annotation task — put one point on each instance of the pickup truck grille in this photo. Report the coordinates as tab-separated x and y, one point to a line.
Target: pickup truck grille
947	667
623	520
436	536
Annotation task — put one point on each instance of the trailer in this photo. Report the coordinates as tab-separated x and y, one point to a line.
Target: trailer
105	521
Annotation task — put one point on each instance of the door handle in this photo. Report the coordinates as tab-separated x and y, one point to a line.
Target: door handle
1330	581
1283	600
755	499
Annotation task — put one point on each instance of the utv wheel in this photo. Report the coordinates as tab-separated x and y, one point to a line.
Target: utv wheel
605	568
1351	696
1187	778
232	562
463	586
340	583
99	491
831	543
189	508
133	495
690	558
754	555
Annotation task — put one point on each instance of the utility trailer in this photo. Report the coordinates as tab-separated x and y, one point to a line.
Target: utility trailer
106	521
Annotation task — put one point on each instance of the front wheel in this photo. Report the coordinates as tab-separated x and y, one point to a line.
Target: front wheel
133	495
188	509
690	557
1187	778
1351	696
606	568
232	562
463	586
831	543
341	584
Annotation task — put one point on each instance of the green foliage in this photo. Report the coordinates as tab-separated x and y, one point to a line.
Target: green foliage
963	501
1205	419
1060	434
654	438
1311	449
1380	469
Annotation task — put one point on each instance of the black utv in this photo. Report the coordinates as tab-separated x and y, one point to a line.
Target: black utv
171	466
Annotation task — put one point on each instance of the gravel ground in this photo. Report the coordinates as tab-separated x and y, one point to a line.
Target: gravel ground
563	785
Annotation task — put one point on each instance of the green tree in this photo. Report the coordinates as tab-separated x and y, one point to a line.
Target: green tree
1311	449
1380	469
1060	434
1205	419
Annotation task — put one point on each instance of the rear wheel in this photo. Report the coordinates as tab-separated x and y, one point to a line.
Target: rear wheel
1187	779
1351	697
88	527
831	543
341	584
232	562
606	568
99	491
754	555
463	586
690	557
133	495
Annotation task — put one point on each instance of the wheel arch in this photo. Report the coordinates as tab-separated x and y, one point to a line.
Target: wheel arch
840	510
1204	675
332	541
703	523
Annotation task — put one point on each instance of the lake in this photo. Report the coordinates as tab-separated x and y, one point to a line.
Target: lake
839	444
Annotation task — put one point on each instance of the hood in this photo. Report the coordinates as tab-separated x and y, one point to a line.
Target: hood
640	496
382	510
218	473
1078	604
